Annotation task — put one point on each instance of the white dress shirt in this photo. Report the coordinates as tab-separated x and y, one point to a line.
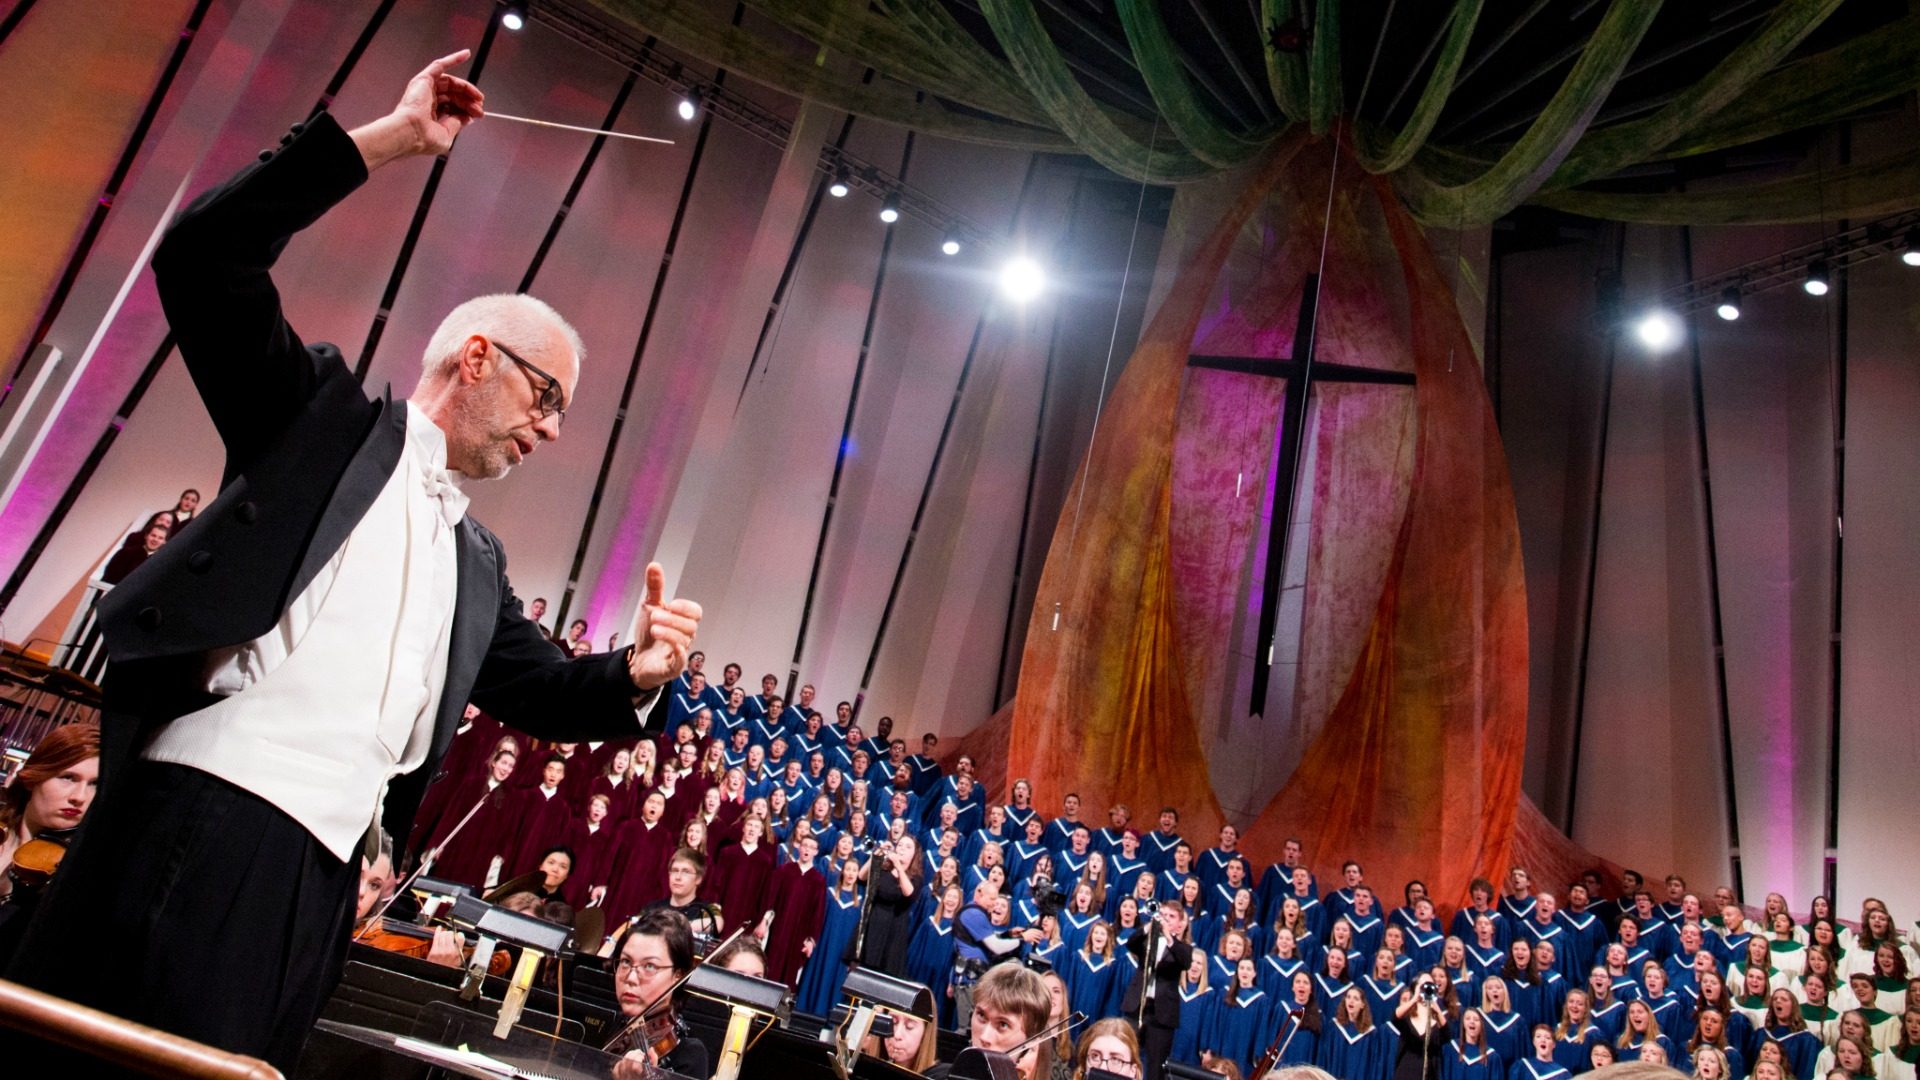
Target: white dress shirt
339	697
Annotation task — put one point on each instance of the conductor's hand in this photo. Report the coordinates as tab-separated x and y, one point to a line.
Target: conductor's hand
433	109
662	633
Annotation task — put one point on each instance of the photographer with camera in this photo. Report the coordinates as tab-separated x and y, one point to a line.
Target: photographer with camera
979	944
1424	1020
1152	1001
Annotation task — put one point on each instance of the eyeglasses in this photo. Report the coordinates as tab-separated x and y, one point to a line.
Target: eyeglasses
546	388
1123	1064
646	969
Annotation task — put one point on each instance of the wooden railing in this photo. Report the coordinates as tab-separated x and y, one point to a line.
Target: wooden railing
122	1043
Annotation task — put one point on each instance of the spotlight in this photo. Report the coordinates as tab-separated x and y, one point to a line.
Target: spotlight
1817	280
841	182
1729	308
950	244
690	104
890	208
1658	330
1021	279
513	16
1911	256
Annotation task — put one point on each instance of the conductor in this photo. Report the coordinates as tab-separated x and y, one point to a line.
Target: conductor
299	656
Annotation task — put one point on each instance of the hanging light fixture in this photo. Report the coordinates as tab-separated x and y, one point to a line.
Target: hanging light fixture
1818	281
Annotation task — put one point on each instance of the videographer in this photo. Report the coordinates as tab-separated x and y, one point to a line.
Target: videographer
1152	1000
978	944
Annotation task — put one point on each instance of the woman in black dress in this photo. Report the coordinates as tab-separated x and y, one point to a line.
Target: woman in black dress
1424	1020
893	883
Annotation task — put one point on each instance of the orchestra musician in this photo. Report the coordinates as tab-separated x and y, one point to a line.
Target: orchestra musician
912	1045
685	871
44	802
1010	1006
655	952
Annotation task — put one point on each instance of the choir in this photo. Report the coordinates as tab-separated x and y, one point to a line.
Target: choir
840	848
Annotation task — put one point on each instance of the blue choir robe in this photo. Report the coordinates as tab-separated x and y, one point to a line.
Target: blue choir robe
1124	968
1517	910
1367	931
1356	1055
1059	834
1211	865
1314	913
1625	987
1298	1046
1017	818
1589	935
754	706
1220	970
930	963
761	731
1106	841
1402	917
799	794
734	759
970	879
1485	962
1329	990
1637	957
926	772
1067	868
1157	849
833	736
1671	1013
930	841
1089	979
1276	882
883	822
1168	883
1020	856
1561	938
1307	944
1532	1068
1574	1050
1736	1064
1801	1048
1382	997
1465	986
1122	933
1423	946
1552	996
1631	1050
726	722
803	746
1276	975
1074	928
875	747
1338	902
826	969
1124	872
1459	1061
1217	898
1610	1017
1052	953
1508	1033
1463	920
1196	1013
980	838
1238	1029
841	757
879	776
1524	995
681	707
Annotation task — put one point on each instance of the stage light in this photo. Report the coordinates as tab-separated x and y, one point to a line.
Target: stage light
1911	256
890	208
513	16
950	244
1658	330
1022	279
1817	281
842	182
690	104
1729	308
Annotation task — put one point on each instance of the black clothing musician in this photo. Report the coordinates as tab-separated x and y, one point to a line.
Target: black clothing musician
654	954
1156	983
251	731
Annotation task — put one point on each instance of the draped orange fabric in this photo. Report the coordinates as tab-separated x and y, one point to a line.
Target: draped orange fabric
1416	770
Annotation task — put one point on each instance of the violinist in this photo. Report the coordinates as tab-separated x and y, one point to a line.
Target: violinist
685	871
45	802
655	952
377	882
1010	1005
51	793
912	1046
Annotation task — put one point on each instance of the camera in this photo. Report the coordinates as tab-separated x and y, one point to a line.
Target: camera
1046	898
1429	991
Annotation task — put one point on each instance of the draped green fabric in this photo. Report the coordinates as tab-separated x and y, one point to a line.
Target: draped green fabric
1286	71
1034	55
1407	142
1550	138
1606	151
698	31
1877	188
1324	95
1186	117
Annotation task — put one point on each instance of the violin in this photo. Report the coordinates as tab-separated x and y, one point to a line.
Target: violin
658	1028
37	859
407	939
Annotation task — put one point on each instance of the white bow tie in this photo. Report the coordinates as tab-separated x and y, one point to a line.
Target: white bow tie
444	490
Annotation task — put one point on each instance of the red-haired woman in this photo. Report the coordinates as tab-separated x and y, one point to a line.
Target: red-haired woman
47	800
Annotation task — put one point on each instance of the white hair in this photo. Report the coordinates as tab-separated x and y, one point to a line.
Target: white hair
521	321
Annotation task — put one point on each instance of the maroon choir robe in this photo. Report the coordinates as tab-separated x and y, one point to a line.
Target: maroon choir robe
738	882
593	853
622	802
798	900
493	831
544	821
471	746
639	868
